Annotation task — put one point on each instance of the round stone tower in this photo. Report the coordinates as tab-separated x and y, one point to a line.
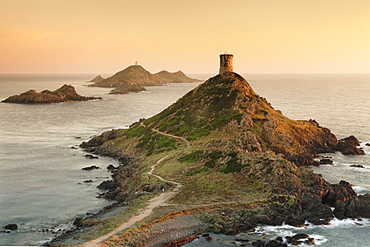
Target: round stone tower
226	63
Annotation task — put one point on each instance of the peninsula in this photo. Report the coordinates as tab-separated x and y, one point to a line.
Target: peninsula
135	77
221	160
64	94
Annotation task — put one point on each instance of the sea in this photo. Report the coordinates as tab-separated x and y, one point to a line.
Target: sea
43	187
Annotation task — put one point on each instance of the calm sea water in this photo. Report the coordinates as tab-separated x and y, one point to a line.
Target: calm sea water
41	181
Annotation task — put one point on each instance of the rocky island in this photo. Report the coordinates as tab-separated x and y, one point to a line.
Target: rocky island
64	94
135	77
221	160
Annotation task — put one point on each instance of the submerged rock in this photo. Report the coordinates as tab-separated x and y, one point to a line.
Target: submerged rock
11	227
90	156
326	161
89	168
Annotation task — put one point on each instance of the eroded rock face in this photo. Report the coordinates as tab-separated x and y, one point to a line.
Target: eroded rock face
64	94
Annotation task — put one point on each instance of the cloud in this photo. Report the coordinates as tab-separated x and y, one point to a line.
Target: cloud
26	35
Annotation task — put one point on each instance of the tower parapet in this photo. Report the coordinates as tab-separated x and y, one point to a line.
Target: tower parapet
226	63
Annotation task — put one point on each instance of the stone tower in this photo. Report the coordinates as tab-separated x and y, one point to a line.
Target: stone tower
226	63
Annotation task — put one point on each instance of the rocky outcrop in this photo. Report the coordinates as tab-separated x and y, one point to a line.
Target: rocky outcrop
348	146
64	94
108	185
339	193
354	208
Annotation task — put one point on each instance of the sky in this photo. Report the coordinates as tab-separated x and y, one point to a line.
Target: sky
106	36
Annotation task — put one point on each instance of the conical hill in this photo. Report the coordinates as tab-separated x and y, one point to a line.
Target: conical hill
227	103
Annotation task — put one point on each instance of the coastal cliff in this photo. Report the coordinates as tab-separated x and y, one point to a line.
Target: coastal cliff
242	164
65	93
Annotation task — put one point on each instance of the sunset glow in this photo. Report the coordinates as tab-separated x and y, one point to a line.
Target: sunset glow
102	37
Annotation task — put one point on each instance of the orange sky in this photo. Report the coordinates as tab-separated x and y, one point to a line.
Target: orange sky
105	36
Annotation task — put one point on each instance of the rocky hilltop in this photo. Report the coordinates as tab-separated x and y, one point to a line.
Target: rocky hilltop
227	102
135	76
64	94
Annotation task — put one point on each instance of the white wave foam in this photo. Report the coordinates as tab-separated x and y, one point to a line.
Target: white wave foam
364	168
359	190
364	145
319	239
345	223
288	230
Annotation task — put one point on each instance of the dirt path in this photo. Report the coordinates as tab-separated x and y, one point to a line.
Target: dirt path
152	203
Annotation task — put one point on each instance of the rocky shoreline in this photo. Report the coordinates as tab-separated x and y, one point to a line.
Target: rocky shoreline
229	220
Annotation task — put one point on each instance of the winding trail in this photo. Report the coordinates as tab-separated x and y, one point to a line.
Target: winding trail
160	200
152	203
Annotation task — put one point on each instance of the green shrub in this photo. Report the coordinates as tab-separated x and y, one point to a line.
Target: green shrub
192	157
232	165
200	170
214	155
136	131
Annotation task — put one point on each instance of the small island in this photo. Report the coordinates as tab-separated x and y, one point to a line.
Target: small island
135	77
66	93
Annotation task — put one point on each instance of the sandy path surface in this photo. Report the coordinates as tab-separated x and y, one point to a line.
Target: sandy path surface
152	203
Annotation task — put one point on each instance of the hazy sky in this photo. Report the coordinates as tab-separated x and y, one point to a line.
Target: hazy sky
105	36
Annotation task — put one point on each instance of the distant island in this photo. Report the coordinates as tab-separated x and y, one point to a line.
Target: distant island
64	94
135	77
